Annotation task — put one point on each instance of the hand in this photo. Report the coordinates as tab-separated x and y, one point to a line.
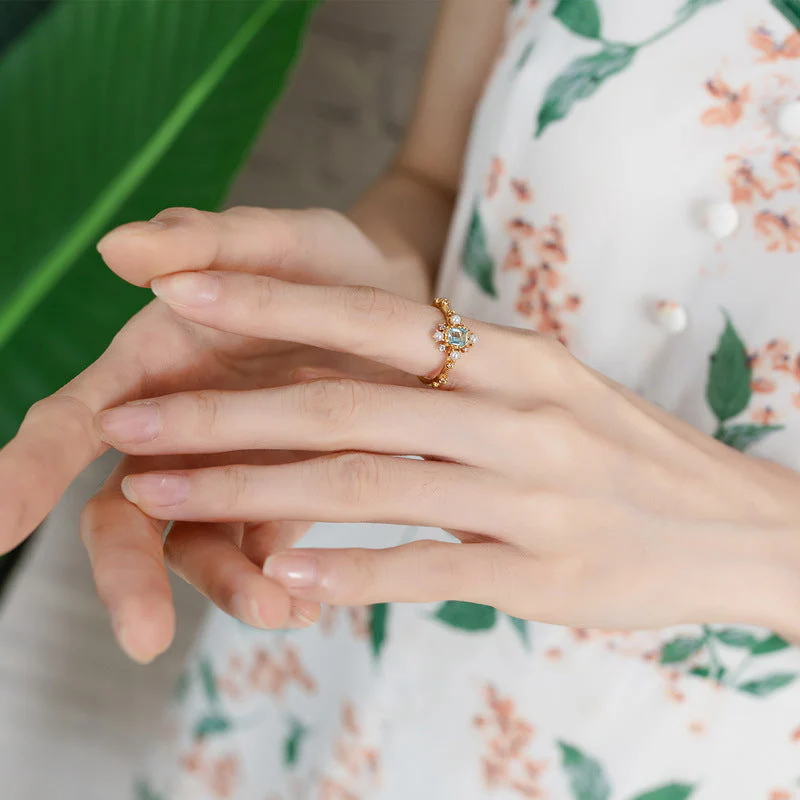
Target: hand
576	502
157	352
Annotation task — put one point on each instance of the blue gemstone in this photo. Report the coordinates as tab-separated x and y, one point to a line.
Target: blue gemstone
457	336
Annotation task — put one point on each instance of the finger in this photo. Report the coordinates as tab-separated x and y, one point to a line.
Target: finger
419	572
208	556
322	415
58	437
125	551
370	323
314	245
263	539
346	487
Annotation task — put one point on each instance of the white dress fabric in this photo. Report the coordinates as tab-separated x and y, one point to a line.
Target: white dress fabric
632	186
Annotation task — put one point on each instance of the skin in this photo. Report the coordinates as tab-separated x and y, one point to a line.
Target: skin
392	239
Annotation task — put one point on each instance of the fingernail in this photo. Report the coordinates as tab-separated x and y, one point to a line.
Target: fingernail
302	620
129	645
246	608
187	288
293	571
134	422
157	489
144	226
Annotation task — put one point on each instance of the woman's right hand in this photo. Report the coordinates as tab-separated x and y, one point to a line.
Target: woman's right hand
158	352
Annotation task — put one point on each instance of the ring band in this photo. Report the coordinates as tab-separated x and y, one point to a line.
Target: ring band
453	338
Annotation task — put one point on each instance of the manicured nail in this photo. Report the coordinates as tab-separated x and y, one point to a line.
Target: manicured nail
131	228
187	288
156	489
300	618
134	422
246	608
293	571
129	645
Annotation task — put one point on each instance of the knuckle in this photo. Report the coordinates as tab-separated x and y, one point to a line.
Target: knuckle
352	477
206	410
331	403
261	300
373	306
236	482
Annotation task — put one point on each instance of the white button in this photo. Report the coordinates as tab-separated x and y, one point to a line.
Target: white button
788	119
670	316
720	219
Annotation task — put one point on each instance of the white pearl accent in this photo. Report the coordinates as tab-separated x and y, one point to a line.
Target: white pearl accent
455	319
456	355
787	119
473	339
720	219
442	348
670	316
439	335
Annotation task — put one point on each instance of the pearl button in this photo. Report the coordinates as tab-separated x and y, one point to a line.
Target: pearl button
788	119
670	316
720	219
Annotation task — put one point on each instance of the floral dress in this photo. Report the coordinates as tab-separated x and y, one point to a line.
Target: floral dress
632	186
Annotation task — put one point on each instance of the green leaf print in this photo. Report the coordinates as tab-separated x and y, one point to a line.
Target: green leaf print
728	390
378	618
182	686
772	644
680	649
580	16
768	684
467	616
700	672
790	9
740	437
521	626
209	681
524	56
736	637
672	791
478	264
142	791
691	7
586	777
581	79
291	747
212	725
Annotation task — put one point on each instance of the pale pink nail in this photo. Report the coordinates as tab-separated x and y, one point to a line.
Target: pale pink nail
156	489
293	571
187	288
135	422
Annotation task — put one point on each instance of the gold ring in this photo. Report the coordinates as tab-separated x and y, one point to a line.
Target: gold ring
453	338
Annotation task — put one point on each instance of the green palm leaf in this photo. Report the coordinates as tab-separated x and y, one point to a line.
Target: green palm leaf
113	110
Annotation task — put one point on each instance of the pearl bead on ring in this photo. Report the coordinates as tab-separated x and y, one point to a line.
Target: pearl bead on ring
453	338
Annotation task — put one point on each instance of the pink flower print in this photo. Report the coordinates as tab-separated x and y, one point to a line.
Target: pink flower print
732	103
224	776
787	166
765	416
522	190
780	794
551	246
508	735
772	50
763	385
519	228
493	178
513	259
781	231
744	184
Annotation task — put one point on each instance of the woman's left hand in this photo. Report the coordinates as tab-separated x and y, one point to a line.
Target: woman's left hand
579	503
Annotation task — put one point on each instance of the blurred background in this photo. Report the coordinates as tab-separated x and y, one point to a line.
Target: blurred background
76	79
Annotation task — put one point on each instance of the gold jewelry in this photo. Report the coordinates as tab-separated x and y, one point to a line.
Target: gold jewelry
453	338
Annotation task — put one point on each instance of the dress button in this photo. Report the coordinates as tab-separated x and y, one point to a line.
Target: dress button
787	119
670	316
721	219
